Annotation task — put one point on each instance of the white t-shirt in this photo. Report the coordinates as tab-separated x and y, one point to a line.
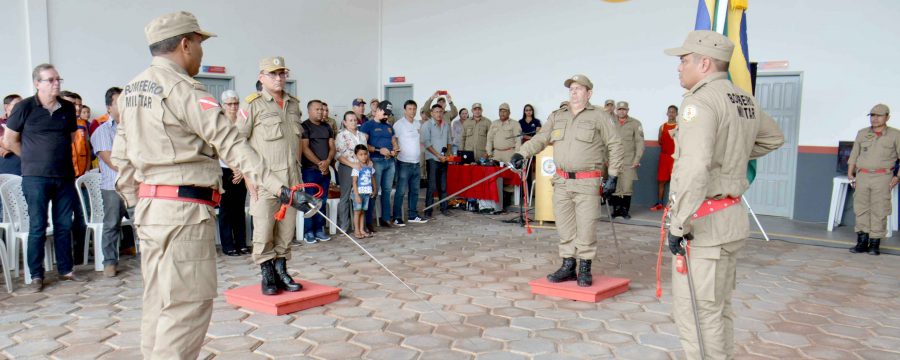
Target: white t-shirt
409	140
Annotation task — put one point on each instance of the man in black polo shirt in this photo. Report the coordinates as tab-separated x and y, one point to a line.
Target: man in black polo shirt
40	130
317	145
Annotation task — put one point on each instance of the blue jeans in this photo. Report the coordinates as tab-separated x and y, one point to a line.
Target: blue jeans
316	223
409	177
40	191
384	176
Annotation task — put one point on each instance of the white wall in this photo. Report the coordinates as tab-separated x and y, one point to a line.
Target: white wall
328	45
520	51
15	72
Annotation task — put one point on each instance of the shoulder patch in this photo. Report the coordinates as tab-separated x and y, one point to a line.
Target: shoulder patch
207	103
251	97
689	113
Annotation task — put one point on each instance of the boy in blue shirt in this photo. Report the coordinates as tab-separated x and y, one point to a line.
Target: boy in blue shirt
363	188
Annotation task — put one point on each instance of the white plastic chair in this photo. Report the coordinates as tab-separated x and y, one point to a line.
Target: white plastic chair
7	226
94	218
15	205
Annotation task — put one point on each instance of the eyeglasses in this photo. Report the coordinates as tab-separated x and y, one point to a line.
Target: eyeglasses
282	75
52	80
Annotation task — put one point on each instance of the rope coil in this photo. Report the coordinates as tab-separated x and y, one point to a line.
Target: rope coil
283	210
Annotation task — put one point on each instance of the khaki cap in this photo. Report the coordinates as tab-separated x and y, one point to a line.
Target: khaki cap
705	42
504	106
171	25
476	105
609	102
880	109
622	105
271	64
581	79
374	100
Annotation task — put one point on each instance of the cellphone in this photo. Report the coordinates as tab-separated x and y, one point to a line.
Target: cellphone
442	92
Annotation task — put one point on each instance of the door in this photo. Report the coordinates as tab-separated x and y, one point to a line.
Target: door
397	95
216	85
773	191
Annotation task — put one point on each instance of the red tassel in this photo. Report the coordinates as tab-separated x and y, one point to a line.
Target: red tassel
283	210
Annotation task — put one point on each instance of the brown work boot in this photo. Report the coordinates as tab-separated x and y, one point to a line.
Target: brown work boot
71	277
36	286
109	270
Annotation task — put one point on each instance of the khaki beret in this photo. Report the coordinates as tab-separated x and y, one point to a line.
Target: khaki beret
171	25
581	79
271	64
705	42
880	109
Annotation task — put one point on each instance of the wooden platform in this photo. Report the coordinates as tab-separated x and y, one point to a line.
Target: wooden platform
603	287
310	296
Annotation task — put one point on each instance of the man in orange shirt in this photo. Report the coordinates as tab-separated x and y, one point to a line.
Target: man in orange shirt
666	149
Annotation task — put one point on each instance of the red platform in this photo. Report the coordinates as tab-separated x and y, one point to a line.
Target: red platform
603	287
312	295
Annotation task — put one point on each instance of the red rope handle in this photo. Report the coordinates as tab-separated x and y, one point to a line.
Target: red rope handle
659	256
283	210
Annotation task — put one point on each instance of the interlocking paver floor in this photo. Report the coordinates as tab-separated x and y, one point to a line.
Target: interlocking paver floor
792	301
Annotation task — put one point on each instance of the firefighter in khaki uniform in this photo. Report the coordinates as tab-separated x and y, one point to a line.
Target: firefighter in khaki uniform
474	136
165	150
577	133
870	171
720	130
503	139
270	120
632	135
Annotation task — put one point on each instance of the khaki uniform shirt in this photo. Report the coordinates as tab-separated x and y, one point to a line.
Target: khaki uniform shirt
448	115
170	132
503	136
873	152
474	136
721	129
632	135
274	132
577	143
334	126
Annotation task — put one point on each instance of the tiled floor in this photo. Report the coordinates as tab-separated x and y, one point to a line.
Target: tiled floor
792	302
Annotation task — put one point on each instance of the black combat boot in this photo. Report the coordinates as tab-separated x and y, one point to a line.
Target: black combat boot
269	283
585	278
613	202
626	207
566	272
873	247
862	243
283	280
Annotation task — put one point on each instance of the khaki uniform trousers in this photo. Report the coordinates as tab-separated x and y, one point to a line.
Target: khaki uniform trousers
576	222
713	273
178	265
271	238
505	156
872	203
625	184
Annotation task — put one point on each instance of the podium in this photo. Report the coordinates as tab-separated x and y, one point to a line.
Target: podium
543	187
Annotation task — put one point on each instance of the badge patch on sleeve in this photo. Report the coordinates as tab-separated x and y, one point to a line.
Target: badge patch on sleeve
690	112
207	103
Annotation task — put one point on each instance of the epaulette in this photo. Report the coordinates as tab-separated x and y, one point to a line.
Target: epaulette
251	97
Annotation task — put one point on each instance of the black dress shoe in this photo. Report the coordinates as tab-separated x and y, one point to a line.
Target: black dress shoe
232	253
